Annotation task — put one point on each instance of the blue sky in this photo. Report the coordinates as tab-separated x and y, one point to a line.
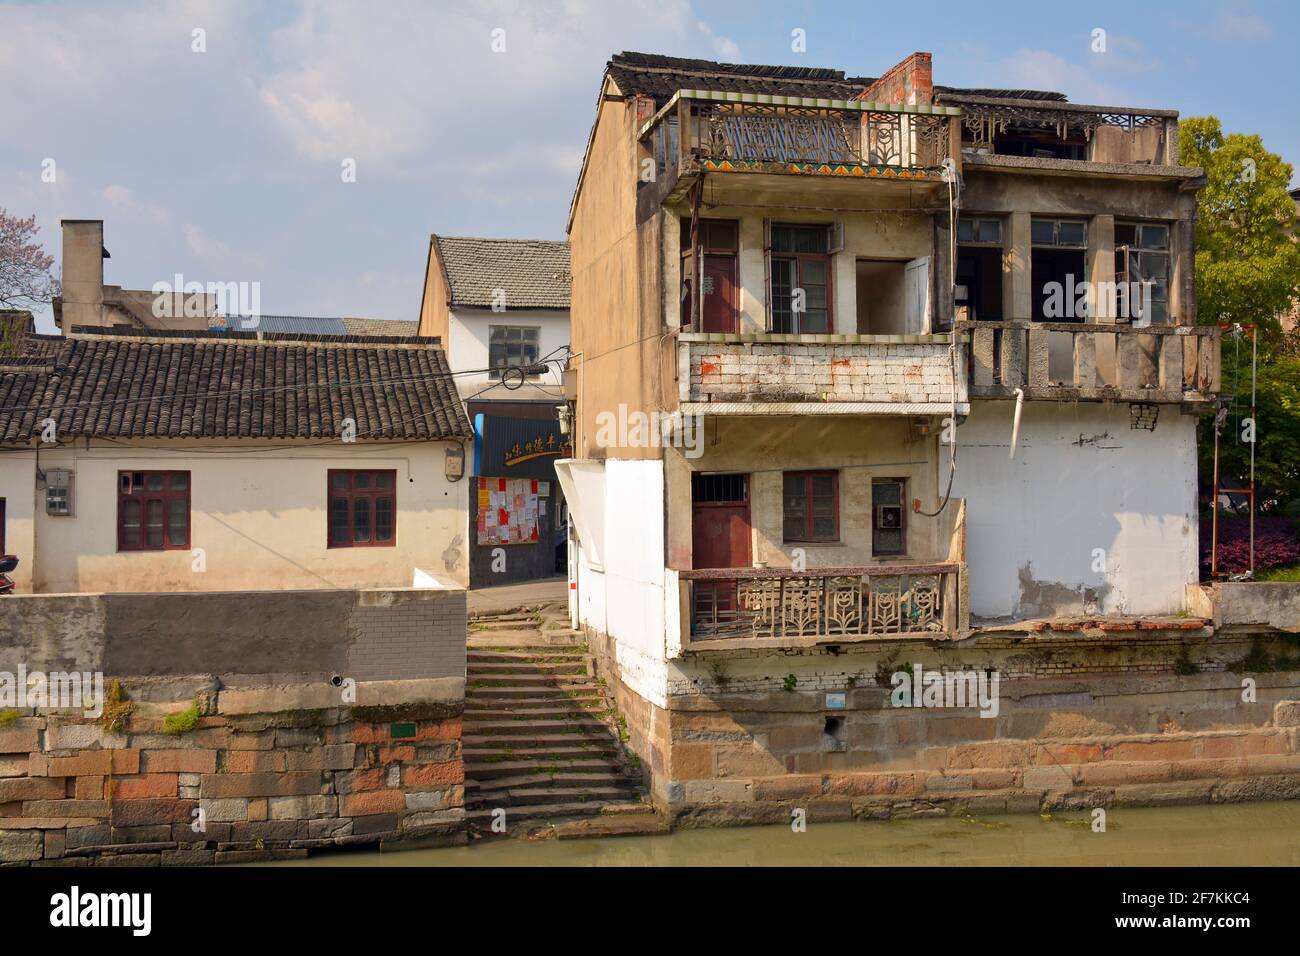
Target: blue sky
225	165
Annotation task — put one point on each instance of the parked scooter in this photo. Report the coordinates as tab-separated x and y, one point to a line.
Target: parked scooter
7	563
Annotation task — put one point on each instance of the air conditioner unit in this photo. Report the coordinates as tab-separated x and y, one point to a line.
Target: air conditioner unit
58	491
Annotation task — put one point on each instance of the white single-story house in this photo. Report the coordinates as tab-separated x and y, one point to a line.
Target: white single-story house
144	460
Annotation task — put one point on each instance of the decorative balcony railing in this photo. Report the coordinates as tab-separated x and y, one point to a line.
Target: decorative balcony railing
775	606
749	132
1093	361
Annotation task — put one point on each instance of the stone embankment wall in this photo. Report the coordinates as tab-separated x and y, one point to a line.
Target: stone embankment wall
1083	721
249	774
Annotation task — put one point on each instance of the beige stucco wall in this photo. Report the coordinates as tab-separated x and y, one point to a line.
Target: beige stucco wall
621	355
861	449
258	511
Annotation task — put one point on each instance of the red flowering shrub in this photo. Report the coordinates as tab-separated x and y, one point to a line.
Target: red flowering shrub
1277	544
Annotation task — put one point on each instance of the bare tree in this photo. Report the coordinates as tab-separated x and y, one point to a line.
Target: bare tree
25	277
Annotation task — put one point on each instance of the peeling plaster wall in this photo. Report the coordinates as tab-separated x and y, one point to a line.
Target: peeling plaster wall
1082	479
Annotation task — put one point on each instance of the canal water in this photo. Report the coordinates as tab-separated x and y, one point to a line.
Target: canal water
1252	834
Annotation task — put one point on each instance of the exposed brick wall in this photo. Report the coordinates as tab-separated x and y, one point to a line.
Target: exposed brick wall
269	784
842	372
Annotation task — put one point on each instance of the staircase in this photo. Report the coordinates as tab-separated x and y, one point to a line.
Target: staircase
541	736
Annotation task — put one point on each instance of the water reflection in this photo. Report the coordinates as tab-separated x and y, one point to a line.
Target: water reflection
1262	834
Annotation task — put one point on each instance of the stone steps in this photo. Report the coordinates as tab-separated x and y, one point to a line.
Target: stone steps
488	771
534	738
548	796
550	781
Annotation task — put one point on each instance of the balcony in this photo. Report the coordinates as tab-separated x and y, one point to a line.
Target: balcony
768	374
700	133
1052	134
1093	361
735	608
758	607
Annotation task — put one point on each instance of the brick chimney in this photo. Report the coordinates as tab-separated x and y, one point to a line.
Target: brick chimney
83	273
908	83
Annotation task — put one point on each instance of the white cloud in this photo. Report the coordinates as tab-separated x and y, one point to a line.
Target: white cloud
1237	22
724	48
1043	70
384	81
124	201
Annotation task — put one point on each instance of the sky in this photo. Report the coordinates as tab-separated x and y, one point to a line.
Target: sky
226	163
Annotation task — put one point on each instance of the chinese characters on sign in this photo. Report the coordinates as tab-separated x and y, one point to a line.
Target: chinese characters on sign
535	448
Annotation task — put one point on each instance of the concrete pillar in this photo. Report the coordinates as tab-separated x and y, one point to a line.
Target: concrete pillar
1101	264
1017	286
82	273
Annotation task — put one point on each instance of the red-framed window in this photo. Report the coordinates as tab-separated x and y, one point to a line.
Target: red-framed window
153	511
362	508
799	265
811	506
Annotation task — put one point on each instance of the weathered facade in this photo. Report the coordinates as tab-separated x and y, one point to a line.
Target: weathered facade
869	375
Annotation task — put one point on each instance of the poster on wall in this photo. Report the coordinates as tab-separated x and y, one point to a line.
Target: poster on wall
507	511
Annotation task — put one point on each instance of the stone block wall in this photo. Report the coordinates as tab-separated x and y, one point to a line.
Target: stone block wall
1084	720
267	772
906	371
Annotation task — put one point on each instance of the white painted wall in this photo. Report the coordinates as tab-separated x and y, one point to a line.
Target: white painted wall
467	346
1081	479
625	597
258	513
17	488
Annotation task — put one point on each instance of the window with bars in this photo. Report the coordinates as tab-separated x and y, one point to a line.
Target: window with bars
811	506
362	508
800	265
511	346
153	510
888	516
1142	255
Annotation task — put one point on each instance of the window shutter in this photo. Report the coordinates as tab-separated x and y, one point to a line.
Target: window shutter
767	273
917	296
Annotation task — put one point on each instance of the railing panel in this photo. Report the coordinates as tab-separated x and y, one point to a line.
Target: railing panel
1094	361
828	603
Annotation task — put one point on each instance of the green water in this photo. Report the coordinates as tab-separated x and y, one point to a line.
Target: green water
1255	834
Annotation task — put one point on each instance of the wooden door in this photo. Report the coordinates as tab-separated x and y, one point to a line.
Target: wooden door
719	291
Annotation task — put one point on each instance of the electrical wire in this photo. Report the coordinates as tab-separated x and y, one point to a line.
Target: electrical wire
953	205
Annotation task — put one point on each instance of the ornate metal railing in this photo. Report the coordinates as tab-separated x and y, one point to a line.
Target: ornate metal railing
861	602
771	132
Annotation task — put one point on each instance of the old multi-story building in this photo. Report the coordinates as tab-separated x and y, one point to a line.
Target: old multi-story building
867	373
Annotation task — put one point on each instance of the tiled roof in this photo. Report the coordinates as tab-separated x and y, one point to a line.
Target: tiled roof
318	325
533	273
105	383
650	74
949	93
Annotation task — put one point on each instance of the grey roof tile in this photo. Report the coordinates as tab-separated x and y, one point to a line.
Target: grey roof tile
533	273
104	383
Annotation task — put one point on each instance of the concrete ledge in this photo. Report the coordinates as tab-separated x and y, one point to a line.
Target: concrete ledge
292	697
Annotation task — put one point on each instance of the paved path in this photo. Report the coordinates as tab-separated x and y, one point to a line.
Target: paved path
509	597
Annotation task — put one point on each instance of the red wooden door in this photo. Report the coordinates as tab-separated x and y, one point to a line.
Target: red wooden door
719	289
720	536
